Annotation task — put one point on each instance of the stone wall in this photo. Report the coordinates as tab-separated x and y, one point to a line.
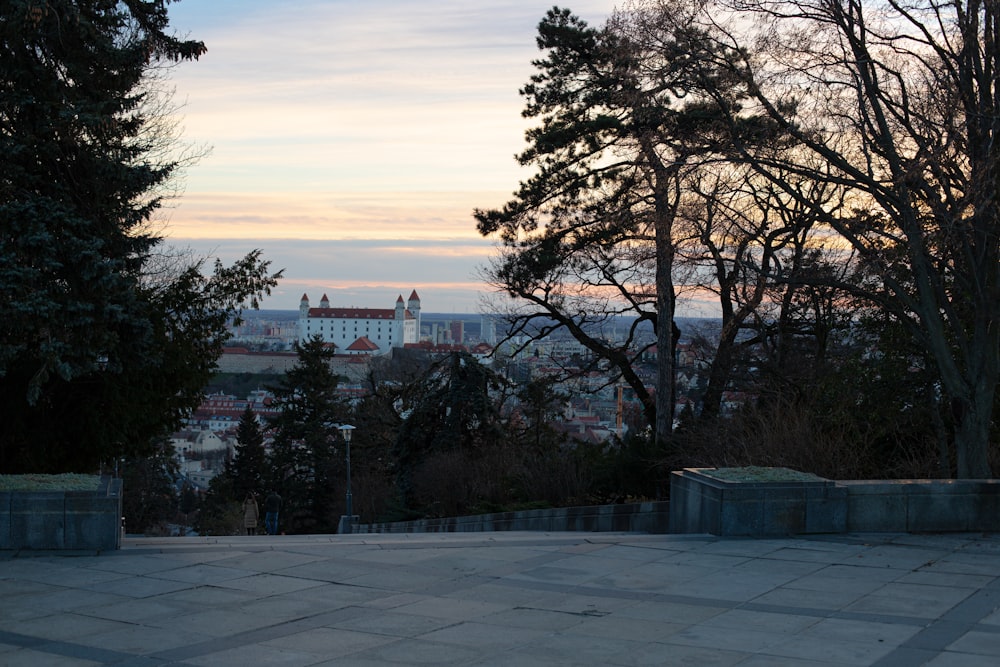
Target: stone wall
353	368
703	504
247	362
922	505
648	517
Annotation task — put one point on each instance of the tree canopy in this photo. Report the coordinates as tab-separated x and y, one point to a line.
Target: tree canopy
865	139
896	102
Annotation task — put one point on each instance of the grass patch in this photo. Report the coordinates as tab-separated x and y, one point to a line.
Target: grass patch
63	482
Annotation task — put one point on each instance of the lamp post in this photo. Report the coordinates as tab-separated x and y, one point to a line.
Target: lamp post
347	520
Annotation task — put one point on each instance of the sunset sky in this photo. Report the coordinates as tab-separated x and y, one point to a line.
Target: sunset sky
351	140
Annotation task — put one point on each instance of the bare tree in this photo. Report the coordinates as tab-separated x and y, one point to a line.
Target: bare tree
898	103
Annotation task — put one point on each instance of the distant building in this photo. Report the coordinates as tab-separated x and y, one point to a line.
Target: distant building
361	331
457	330
196	444
488	330
483	352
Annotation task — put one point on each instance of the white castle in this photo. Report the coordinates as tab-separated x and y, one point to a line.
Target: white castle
361	330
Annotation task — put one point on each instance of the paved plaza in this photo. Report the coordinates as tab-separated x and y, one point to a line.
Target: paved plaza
512	598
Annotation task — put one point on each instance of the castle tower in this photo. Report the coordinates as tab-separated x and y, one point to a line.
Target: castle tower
413	305
303	316
324	302
400	308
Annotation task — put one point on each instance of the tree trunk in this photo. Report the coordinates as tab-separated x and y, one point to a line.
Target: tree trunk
974	413
664	341
665	196
718	375
972	434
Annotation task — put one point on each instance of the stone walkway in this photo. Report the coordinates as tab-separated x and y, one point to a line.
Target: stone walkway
507	599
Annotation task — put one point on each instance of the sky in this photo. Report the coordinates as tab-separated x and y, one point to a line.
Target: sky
350	140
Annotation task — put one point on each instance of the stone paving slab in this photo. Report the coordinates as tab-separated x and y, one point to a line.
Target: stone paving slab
507	599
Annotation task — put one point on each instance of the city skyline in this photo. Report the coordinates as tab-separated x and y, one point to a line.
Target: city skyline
351	141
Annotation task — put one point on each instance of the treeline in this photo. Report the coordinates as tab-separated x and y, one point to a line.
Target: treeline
433	437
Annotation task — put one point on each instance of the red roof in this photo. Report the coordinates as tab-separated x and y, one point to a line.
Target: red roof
362	344
355	313
413	296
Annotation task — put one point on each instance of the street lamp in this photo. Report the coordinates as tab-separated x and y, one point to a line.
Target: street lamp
347	520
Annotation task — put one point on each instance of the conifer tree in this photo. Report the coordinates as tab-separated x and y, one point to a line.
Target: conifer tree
307	461
451	407
249	460
589	237
105	338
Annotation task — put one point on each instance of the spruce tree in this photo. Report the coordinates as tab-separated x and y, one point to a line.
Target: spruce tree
307	458
249	461
105	340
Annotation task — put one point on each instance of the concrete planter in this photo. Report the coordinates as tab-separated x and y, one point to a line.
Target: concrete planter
701	503
62	520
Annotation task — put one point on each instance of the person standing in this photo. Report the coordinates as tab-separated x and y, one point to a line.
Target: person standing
272	506
251	514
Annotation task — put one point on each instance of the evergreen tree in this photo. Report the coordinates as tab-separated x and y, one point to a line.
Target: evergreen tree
452	407
540	403
150	497
105	340
220	513
249	460
307	462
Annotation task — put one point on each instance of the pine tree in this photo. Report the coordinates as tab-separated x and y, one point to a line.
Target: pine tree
151	499
589	237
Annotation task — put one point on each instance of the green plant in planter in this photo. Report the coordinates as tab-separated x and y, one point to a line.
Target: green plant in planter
760	474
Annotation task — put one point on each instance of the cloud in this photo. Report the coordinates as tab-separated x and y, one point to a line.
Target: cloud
373	271
349	96
329	215
352	140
